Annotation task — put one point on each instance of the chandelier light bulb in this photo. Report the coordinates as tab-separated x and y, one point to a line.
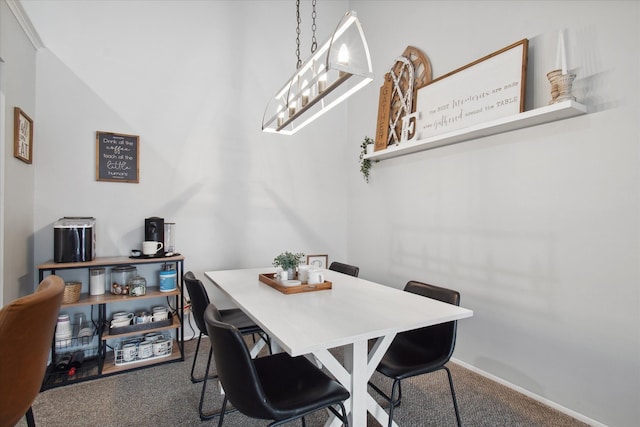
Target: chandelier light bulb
343	55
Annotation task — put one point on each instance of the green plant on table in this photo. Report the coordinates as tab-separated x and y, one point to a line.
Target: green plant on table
288	260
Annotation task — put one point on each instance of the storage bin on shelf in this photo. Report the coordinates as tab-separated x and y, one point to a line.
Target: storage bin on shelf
79	338
142	348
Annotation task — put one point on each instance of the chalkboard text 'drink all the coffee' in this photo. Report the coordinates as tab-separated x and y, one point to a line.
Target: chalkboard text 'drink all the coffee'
117	157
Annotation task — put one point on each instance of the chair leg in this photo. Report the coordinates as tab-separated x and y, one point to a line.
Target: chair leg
342	415
210	415
195	357
222	411
394	403
31	422
453	396
206	415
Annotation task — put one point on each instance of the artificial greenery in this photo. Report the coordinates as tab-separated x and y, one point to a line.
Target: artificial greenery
288	260
365	164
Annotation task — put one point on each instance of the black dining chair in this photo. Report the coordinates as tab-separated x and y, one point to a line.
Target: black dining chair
199	302
351	270
420	351
276	387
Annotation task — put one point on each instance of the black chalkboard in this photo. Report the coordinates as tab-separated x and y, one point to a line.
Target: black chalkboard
117	157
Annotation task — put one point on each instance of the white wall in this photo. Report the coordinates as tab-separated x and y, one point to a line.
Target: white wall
17	198
537	228
192	79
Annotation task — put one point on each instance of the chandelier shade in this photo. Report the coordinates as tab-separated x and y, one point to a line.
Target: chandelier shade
338	68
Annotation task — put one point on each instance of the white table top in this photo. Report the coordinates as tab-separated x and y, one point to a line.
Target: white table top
353	310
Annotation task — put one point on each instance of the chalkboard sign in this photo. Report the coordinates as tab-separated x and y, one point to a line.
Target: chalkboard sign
117	157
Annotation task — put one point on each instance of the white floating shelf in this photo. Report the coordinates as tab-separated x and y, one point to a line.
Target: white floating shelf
548	114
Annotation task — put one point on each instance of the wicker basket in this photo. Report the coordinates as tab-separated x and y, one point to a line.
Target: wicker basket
71	292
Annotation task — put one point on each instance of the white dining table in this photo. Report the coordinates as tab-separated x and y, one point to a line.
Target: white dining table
348	315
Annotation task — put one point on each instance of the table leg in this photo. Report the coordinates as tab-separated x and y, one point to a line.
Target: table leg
359	365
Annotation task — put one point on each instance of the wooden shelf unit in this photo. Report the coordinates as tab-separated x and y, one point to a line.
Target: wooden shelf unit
103	359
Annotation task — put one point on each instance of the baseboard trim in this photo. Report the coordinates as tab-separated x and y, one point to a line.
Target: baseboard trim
554	405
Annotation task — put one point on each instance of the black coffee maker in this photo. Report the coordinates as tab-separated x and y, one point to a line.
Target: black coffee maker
154	232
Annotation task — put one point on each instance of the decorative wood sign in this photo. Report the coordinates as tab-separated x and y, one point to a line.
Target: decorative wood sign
22	136
117	157
409	72
487	89
382	129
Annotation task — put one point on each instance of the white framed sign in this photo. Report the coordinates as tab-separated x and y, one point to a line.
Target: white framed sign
487	89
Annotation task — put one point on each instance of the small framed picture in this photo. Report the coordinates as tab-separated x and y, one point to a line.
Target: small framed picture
22	136
318	261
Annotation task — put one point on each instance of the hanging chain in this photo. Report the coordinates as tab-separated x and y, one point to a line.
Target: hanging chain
299	63
314	43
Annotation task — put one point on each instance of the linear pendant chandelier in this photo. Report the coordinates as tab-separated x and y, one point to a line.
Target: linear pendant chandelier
337	69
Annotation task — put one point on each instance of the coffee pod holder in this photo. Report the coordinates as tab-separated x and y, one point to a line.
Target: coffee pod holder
124	357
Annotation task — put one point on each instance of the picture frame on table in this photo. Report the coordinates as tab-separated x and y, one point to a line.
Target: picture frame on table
22	136
318	261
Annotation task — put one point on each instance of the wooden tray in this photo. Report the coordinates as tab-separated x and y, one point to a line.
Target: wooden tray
269	279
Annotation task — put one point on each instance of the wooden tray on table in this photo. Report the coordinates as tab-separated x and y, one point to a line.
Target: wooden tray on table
270	279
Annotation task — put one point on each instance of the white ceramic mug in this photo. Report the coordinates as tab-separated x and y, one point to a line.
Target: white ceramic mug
143	317
315	277
121	316
145	349
160	347
120	323
283	275
129	352
152	336
160	315
151	247
63	327
303	273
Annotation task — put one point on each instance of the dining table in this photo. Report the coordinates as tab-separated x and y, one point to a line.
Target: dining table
360	316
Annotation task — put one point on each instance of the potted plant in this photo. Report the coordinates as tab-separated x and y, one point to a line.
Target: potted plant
366	147
288	261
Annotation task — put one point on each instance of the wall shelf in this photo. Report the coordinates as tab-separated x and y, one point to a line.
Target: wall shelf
548	114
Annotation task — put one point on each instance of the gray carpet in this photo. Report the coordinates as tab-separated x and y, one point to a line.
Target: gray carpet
164	396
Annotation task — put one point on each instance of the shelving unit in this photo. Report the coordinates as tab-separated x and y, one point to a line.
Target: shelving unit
100	361
550	113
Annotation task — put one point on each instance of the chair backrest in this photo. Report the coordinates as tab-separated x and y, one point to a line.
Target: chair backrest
441	338
236	369
199	299
351	270
27	326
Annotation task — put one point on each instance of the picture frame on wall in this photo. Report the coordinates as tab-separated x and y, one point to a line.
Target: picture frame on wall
318	261
117	157
22	136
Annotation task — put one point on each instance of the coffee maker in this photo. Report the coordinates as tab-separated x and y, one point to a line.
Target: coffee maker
154	231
